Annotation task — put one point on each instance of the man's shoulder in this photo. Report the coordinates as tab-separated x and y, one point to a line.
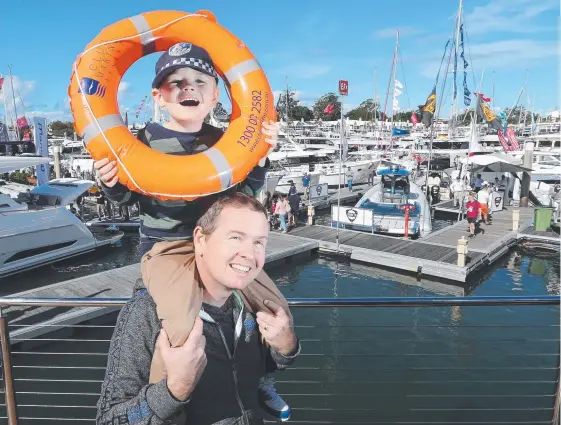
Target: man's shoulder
140	308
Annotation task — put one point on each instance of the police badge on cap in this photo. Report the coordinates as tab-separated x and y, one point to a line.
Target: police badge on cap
179	49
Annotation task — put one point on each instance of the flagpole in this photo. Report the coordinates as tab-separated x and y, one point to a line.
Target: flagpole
5	104
393	88
14	100
340	169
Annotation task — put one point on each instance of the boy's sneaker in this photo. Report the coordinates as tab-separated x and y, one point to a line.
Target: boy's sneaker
270	401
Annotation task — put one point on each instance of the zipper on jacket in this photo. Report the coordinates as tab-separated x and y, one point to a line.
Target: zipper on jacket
245	421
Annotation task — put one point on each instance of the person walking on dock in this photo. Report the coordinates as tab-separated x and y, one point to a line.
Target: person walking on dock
472	211
306	185
282	209
350	176
483	197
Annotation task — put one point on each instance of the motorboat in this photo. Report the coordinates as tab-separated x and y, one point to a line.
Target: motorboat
39	227
387	206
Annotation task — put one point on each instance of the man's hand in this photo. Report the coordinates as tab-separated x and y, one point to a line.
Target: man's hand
277	329
271	132
107	171
184	365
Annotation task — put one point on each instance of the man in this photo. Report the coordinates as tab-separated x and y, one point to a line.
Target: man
478	183
213	377
306	185
457	189
483	197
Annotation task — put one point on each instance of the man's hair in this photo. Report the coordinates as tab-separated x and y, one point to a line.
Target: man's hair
209	220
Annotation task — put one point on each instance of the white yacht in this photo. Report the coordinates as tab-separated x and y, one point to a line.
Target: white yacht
382	209
38	228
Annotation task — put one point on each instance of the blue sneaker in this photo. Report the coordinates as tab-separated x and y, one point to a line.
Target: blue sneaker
270	401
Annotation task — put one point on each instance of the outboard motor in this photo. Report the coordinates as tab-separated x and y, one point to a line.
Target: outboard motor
435	194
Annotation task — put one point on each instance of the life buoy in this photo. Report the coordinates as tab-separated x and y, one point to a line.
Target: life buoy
95	80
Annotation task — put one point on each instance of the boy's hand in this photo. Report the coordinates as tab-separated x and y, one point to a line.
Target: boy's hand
107	172
271	131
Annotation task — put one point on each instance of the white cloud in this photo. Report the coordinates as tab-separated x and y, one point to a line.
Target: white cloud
514	53
123	87
390	32
514	16
21	88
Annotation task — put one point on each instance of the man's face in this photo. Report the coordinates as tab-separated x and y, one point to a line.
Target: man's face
234	254
187	94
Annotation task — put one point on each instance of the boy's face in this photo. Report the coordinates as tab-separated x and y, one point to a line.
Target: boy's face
187	94
234	254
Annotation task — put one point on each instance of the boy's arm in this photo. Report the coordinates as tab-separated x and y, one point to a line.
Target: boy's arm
126	397
255	180
120	194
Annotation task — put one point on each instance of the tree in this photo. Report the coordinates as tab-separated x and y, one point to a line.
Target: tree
282	110
365	111
520	114
301	112
60	127
403	116
324	101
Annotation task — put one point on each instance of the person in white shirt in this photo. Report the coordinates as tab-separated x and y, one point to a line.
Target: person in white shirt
483	197
457	188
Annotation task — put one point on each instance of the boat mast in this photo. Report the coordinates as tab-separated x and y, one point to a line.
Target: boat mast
453	111
14	100
394	67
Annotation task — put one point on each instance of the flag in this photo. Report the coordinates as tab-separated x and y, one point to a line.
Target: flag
514	145
22	122
328	109
395	106
485	112
41	148
414	120
467	93
1	82
398	84
397	92
428	108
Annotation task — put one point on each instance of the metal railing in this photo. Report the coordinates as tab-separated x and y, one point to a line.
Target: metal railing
440	360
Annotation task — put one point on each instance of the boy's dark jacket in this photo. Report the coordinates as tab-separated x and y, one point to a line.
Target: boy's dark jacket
175	219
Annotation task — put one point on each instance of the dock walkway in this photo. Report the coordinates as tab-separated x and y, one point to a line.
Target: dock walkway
434	255
115	283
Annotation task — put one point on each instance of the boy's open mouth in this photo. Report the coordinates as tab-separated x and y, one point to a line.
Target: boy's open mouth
190	101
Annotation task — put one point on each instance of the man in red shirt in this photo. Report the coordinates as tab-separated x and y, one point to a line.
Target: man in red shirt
472	209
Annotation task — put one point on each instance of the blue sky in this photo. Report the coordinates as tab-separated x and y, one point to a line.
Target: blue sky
308	43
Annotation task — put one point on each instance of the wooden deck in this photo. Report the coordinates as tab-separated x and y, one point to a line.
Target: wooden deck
115	283
434	255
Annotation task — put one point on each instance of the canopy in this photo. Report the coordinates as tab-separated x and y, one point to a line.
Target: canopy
495	163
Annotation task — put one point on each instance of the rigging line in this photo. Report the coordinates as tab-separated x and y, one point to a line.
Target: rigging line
403	73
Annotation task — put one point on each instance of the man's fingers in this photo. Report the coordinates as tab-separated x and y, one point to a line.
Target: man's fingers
277	309
163	341
101	163
196	333
106	169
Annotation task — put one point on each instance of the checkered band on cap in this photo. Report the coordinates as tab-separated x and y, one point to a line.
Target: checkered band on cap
197	63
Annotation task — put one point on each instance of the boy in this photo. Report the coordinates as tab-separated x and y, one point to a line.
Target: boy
472	209
186	84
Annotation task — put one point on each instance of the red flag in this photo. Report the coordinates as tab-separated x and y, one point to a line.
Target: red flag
483	98
414	118
1	82
328	109
22	122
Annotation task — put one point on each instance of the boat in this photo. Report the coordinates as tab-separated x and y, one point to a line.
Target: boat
383	208
39	227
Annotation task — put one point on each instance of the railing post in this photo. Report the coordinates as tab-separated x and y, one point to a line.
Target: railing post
311	214
9	393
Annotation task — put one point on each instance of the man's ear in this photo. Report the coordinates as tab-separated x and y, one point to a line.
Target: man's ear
199	239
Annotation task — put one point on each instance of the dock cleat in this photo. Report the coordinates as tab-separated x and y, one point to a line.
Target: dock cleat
270	401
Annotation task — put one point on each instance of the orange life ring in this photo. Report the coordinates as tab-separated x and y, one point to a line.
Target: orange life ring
97	119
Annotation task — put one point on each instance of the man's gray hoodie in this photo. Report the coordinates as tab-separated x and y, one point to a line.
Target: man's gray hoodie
226	393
